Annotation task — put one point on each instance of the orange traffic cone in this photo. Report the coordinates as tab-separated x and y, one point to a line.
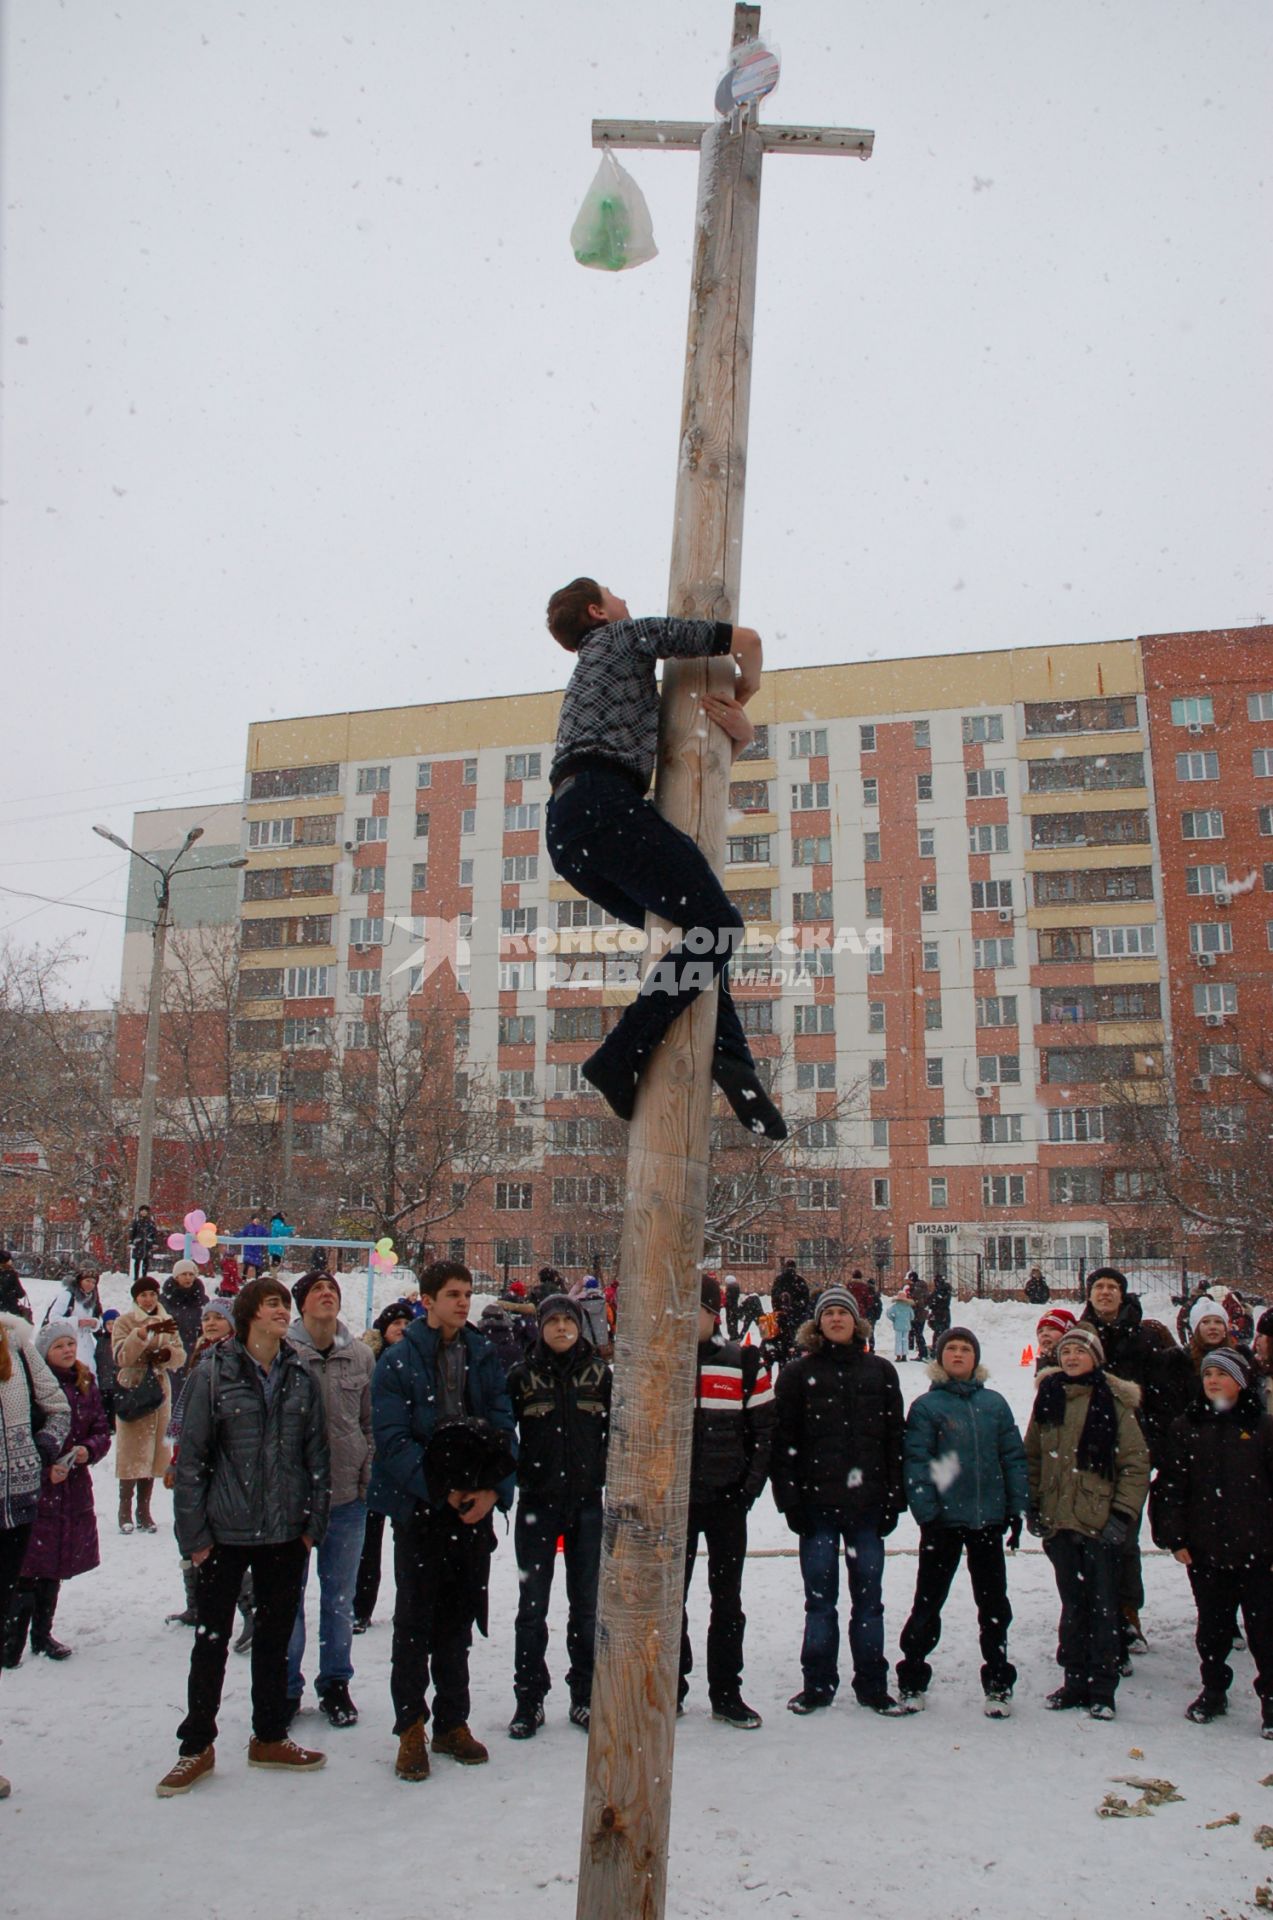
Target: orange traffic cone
1027	1356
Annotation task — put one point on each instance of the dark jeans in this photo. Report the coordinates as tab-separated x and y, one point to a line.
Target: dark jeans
13	1546
620	852
1131	1584
433	1618
536	1530
367	1585
940	1549
277	1573
1218	1592
820	1570
722	1524
1087	1577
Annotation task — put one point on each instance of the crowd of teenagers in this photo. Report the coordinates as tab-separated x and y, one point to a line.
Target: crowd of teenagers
288	1441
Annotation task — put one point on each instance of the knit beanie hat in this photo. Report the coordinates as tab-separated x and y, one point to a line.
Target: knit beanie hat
709	1295
185	1266
52	1330
1107	1273
837	1297
308	1281
1057	1318
1206	1309
222	1308
1081	1334
1227	1360
400	1310
144	1283
560	1303
957	1333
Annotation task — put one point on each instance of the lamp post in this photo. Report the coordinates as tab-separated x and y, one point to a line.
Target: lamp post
150	1065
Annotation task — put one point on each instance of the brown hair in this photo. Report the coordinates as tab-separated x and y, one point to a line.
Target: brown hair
569	620
6	1358
248	1303
435	1277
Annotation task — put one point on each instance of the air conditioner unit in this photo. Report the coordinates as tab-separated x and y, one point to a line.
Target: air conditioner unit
349	846
1195	728
1005	914
1201	1083
1213	1019
982	1093
1205	959
359	947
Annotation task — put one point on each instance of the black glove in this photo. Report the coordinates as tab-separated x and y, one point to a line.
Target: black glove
1034	1523
1012	1531
1115	1532
888	1520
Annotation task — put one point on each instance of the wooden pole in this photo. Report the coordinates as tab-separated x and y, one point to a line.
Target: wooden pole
627	1806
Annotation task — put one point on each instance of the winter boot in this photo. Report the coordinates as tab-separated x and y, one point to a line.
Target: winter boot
244	1642
412	1762
527	1720
144	1522
581	1714
1133	1633
188	1617
1064	1699
735	1712
808	1700
285	1755
126	1506
42	1641
335	1704
460	1744
1208	1706
21	1607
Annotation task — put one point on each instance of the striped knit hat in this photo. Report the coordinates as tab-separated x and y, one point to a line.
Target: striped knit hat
837	1297
1226	1360
1082	1335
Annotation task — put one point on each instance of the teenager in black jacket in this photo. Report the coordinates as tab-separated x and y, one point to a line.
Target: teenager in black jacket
838	1477
561	1401
1212	1507
729	1464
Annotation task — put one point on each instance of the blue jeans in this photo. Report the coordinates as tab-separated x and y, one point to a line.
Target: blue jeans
820	1569
338	1558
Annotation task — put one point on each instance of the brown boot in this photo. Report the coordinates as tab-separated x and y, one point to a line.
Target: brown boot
413	1753
461	1746
188	1771
126	1506
284	1754
144	1522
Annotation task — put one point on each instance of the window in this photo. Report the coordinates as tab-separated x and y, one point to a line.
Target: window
468	775
1206	880
1062	887
468	820
936	1129
1210	936
759	748
1193	711
757	1016
1003	1189
870	793
980	728
263	933
520	868
516	976
870	848
875	1016
928	897
922	731
937	1190
994	953
999	1069
1220	1059
521	766
930	956
1074	1186
1262	762
992	839
934	1071
879	1192
420	877
366	931
584	1190
810	796
361	1034
877	1072
1122	943
991	893
821	1134
1205	824
1067	1124
517	1083
875	903
375	827
932	1014
512	1196
1215	997
316	830
1197	766
999	1010
999	1129
1259	706
815	1076
517	1030
577	1023
373	779
927	843
879	1135
805	742
875	960
986	783
523	818
1094	773
306	1033
518	920
817	1196
1114	829
749	796
1080	716
364	980
1060	945
923	786
748	850
261	983
808	851
466	873
866	739
581	913
424	773
816	1019
812	906
368	880
754	903
290	783
308	983
1222	1123
281	883
270	833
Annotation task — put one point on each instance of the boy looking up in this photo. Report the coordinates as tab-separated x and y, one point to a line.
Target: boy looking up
610	842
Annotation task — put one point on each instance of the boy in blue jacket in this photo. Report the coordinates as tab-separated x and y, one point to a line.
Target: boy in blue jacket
441	1370
966	1480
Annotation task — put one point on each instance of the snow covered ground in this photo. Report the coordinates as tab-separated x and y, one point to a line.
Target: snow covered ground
944	1813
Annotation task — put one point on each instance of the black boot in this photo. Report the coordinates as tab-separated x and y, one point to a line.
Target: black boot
144	1522
189	1616
16	1627
42	1641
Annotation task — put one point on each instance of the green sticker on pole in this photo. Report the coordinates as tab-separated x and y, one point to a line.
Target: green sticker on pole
613	229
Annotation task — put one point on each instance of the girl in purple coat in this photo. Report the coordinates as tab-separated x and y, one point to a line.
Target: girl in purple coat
63	1539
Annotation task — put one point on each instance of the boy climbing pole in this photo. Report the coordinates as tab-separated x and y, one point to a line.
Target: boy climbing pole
607	839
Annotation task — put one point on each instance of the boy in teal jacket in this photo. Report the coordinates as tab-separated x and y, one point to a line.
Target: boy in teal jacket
966	1481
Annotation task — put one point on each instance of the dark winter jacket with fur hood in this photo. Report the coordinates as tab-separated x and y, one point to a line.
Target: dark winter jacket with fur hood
1213	1492
838	1441
965	1459
1074	1499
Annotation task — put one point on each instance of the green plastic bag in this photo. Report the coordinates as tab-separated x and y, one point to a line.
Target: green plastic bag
613	229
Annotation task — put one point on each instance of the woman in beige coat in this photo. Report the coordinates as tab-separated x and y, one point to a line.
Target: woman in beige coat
142	1339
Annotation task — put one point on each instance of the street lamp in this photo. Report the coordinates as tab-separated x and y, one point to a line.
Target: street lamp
150	1068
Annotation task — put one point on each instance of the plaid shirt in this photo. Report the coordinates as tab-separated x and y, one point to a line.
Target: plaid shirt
611	706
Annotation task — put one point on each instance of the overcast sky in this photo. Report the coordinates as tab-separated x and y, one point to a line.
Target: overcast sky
308	406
